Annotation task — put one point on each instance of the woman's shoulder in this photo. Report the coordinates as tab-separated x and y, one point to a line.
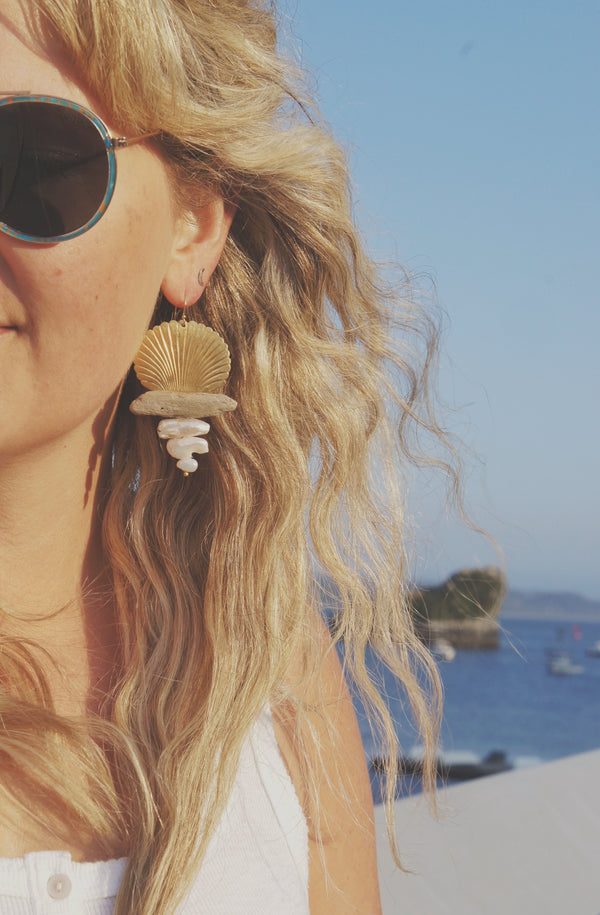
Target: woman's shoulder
319	739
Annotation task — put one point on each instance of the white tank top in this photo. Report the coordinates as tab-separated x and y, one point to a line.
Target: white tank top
255	864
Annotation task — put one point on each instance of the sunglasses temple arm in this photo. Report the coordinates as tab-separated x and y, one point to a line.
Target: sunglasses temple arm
122	142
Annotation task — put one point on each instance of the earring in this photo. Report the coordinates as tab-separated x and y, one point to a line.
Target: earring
184	366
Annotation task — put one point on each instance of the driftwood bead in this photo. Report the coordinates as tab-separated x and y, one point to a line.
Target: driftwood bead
173	404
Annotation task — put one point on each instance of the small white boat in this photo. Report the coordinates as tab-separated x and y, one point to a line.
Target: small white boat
594	650
561	664
442	650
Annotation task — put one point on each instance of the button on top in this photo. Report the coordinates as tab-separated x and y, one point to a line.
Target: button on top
58	886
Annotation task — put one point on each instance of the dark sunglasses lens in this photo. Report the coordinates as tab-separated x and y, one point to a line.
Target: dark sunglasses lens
54	169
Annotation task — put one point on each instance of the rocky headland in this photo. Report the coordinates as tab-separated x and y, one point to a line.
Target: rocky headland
463	611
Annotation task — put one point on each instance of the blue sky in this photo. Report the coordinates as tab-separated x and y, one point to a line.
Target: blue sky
473	130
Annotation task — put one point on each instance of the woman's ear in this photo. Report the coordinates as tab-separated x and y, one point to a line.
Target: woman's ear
198	241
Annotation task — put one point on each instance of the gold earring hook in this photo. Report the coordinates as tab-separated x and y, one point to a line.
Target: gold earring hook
183	320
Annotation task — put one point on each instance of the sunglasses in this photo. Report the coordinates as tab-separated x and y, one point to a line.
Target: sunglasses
57	167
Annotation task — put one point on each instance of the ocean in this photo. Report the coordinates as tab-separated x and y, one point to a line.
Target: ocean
506	700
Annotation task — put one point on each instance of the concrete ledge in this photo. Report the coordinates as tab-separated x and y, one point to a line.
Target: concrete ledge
526	842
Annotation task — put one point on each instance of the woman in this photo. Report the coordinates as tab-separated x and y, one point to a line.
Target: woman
176	728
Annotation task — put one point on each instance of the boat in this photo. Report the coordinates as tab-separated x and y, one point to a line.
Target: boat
454	766
594	650
454	769
442	650
560	663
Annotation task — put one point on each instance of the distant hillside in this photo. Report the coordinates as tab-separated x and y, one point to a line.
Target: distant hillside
549	605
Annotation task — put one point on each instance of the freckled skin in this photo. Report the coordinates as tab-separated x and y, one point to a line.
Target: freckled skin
78	308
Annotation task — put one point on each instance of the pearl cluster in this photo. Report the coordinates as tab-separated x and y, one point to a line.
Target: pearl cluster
183	441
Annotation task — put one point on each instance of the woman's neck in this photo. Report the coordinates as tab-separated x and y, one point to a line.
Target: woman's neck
53	584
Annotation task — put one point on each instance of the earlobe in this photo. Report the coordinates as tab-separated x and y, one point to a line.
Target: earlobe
198	241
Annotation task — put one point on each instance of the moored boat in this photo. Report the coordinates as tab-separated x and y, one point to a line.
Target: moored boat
560	663
442	650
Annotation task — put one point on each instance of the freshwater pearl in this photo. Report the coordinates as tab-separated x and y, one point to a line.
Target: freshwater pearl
186	446
176	428
188	465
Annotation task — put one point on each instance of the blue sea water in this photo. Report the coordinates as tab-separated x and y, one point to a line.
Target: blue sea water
506	700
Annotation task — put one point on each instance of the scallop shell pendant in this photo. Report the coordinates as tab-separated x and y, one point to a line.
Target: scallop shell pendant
186	357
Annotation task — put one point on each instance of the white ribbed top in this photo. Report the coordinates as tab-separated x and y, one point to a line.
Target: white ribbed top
256	862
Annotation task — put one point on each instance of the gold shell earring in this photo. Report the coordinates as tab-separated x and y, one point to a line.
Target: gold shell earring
184	366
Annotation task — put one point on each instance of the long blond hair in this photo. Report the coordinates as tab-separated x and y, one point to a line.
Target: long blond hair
216	577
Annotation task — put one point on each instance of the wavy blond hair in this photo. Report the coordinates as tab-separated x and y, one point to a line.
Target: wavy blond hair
216	577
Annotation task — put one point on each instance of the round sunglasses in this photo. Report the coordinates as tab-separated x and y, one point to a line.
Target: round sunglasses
57	167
